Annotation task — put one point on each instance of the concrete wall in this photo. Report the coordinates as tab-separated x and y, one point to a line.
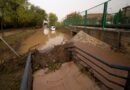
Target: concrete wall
118	39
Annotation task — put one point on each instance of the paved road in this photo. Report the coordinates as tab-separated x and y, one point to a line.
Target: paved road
68	77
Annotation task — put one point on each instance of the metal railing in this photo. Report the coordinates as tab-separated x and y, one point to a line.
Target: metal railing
74	50
26	83
102	15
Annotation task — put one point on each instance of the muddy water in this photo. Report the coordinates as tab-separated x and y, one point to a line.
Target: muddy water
53	38
61	80
43	40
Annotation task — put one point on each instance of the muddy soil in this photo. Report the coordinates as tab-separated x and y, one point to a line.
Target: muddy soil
14	40
11	73
11	67
51	59
68	77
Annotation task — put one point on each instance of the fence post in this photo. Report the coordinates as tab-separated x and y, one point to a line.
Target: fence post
104	15
85	21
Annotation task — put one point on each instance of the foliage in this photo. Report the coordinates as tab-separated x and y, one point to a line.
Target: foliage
20	13
52	19
59	24
120	18
73	18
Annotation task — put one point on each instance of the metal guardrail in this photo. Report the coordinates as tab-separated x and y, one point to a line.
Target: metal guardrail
73	48
26	83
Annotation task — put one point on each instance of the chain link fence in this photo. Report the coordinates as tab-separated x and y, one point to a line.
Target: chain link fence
112	13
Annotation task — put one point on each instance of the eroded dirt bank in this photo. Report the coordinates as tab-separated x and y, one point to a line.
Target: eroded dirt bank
11	67
52	59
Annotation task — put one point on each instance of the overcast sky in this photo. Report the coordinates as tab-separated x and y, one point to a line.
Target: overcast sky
63	7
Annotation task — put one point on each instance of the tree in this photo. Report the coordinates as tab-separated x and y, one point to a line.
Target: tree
118	18
2	7
59	24
20	13
52	19
73	18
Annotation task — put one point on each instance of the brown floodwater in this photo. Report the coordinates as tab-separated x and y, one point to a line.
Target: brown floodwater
53	38
43	40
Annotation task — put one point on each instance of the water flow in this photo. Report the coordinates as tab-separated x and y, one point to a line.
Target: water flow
54	38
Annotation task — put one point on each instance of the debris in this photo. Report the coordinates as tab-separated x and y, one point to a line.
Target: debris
84	37
51	59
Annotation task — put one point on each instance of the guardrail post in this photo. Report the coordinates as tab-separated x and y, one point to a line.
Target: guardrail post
104	15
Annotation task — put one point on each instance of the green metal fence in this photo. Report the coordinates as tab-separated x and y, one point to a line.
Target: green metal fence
102	15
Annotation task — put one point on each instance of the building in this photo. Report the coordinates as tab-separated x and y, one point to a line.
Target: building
96	18
126	11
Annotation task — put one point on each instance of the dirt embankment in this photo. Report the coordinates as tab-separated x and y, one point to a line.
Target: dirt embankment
85	38
14	40
51	59
11	67
11	73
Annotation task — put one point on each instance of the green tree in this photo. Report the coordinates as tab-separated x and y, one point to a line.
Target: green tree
118	18
59	24
20	13
52	19
73	18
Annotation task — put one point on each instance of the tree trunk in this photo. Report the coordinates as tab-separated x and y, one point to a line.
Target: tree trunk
1	25
2	31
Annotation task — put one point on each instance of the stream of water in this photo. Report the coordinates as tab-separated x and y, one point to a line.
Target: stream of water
53	38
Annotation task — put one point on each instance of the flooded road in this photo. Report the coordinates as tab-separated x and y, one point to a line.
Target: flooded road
53	38
43	40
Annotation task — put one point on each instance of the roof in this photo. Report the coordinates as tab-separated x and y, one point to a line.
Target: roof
126	7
